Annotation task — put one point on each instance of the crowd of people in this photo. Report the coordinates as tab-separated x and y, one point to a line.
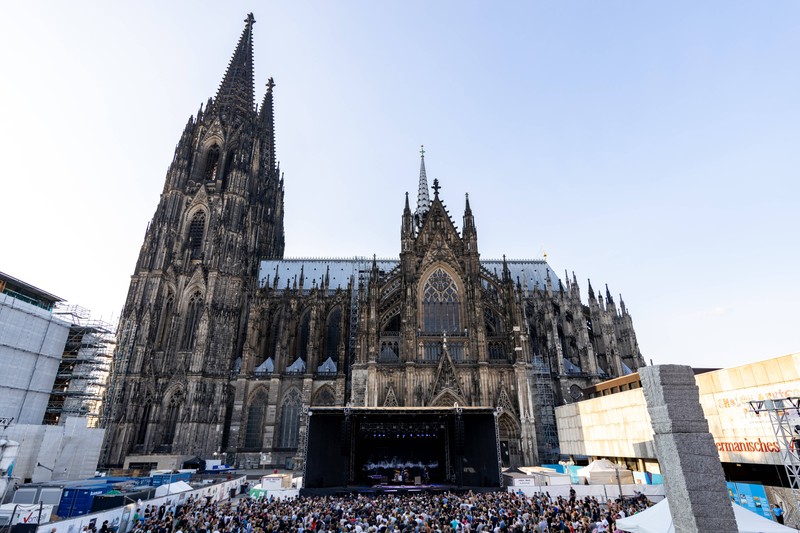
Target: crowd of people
489	512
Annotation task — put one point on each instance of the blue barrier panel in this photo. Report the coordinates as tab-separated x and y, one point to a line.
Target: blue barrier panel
751	496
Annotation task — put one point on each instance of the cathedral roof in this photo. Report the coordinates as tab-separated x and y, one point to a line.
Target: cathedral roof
530	271
341	271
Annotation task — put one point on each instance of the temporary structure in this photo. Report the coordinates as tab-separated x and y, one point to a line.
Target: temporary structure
658	519
172	488
604	472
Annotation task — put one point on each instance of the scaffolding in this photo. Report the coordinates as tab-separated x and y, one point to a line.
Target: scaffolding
547	430
784	414
80	382
115	391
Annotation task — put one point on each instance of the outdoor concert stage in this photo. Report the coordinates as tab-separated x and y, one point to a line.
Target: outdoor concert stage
399	449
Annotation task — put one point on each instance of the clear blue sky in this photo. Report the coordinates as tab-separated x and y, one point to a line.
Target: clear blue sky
650	146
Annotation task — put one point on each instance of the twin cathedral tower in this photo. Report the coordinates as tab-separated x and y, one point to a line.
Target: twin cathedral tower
223	344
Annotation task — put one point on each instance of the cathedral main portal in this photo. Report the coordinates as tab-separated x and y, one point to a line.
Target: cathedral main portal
396	448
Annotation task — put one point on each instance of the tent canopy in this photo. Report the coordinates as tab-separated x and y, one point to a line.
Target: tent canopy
600	465
658	519
172	488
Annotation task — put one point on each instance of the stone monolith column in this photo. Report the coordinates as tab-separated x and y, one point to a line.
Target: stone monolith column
693	476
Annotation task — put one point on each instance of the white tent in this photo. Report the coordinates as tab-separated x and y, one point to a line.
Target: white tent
172	488
604	472
658	519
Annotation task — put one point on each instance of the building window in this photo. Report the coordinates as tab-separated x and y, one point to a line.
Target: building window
197	228
496	351
166	318
212	162
272	340
494	324
440	304
332	335
290	420
325	396
141	435
171	419
193	311
255	422
305	326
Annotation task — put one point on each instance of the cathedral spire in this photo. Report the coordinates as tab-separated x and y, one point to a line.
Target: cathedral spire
267	120
235	94
469	224
408	221
423	197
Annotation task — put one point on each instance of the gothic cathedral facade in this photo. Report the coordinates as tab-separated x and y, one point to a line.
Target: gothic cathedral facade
223	344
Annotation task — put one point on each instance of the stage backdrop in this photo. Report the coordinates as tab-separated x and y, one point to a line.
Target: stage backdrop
427	446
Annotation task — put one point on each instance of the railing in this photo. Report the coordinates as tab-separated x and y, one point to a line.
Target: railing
448	334
432	349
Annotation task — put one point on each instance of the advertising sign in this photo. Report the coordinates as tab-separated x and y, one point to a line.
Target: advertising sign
751	496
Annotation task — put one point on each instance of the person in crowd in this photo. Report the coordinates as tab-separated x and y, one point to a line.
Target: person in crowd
490	512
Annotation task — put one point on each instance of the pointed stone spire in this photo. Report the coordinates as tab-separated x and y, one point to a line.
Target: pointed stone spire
407	231
374	275
423	197
235	94
469	232
609	299
267	120
591	291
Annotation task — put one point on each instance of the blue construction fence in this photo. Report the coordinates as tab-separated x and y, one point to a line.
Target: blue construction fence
77	498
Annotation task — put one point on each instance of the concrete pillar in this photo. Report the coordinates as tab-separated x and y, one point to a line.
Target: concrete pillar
693	477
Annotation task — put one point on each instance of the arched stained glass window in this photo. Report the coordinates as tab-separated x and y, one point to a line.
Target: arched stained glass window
255	421
290	420
332	335
440	304
197	228
304	328
171	418
141	434
273	337
212	162
193	312
166	319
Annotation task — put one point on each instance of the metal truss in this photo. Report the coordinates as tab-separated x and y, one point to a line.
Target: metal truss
781	413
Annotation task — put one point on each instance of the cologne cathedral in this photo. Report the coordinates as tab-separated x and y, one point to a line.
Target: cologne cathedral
224	345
